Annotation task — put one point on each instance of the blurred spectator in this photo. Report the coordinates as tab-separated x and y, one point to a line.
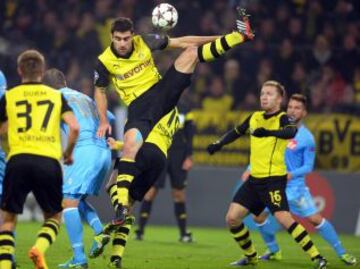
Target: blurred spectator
298	83
217	100
236	83
349	57
320	54
284	61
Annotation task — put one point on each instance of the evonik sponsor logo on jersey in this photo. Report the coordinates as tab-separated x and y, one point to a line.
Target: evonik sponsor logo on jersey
134	70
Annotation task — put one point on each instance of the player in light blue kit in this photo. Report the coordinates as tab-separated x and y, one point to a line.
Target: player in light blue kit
3	86
92	163
300	158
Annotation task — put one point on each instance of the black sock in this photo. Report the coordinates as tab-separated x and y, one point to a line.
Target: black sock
144	215
180	214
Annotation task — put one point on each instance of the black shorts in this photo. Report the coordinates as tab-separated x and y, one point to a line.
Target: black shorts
256	194
147	109
150	162
26	173
174	169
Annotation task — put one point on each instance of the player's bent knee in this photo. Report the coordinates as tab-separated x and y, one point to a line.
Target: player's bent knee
231	220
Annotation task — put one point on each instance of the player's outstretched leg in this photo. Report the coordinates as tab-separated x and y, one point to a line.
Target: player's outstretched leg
215	49
120	238
100	239
327	231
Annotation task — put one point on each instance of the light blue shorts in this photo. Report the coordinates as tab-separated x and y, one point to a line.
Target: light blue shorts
85	177
301	203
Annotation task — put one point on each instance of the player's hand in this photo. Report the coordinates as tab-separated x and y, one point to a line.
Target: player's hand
68	158
214	147
187	164
289	176
260	132
245	176
104	128
111	143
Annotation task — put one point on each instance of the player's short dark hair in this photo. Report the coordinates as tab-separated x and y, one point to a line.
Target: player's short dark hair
54	78
122	24
31	64
300	98
279	87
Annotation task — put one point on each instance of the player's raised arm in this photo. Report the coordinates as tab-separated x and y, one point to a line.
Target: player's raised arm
229	137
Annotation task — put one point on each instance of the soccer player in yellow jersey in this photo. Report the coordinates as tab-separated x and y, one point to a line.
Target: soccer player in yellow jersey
129	65
150	162
269	130
32	113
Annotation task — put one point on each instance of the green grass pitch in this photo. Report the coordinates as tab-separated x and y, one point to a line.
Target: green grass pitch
214	248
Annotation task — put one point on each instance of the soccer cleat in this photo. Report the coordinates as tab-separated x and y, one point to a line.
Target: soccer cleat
348	259
120	215
115	263
243	24
37	258
271	256
320	263
73	265
111	227
246	261
186	238
98	245
139	235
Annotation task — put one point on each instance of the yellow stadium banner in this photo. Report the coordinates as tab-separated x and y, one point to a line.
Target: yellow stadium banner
337	140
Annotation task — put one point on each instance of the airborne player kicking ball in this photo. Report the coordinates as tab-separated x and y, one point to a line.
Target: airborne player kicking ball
269	131
129	65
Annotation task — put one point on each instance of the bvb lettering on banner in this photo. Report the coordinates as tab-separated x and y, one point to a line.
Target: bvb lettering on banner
337	140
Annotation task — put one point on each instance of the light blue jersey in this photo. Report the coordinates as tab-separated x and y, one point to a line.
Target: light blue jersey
300	159
3	86
92	157
86	114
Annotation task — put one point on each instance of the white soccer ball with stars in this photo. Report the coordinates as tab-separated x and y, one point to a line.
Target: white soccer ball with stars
164	16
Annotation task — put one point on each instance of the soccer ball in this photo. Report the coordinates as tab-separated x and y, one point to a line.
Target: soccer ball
164	16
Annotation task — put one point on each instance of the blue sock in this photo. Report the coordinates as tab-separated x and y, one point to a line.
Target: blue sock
268	235
91	217
75	232
327	231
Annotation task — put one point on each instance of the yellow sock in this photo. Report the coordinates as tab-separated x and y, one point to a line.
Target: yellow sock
124	179
47	235
241	235
301	237
212	50
7	249
119	241
112	191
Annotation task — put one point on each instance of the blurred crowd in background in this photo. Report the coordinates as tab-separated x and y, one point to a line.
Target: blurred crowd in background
311	46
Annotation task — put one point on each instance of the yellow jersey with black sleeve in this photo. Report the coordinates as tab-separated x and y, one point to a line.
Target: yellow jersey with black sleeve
267	154
134	74
163	132
33	112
